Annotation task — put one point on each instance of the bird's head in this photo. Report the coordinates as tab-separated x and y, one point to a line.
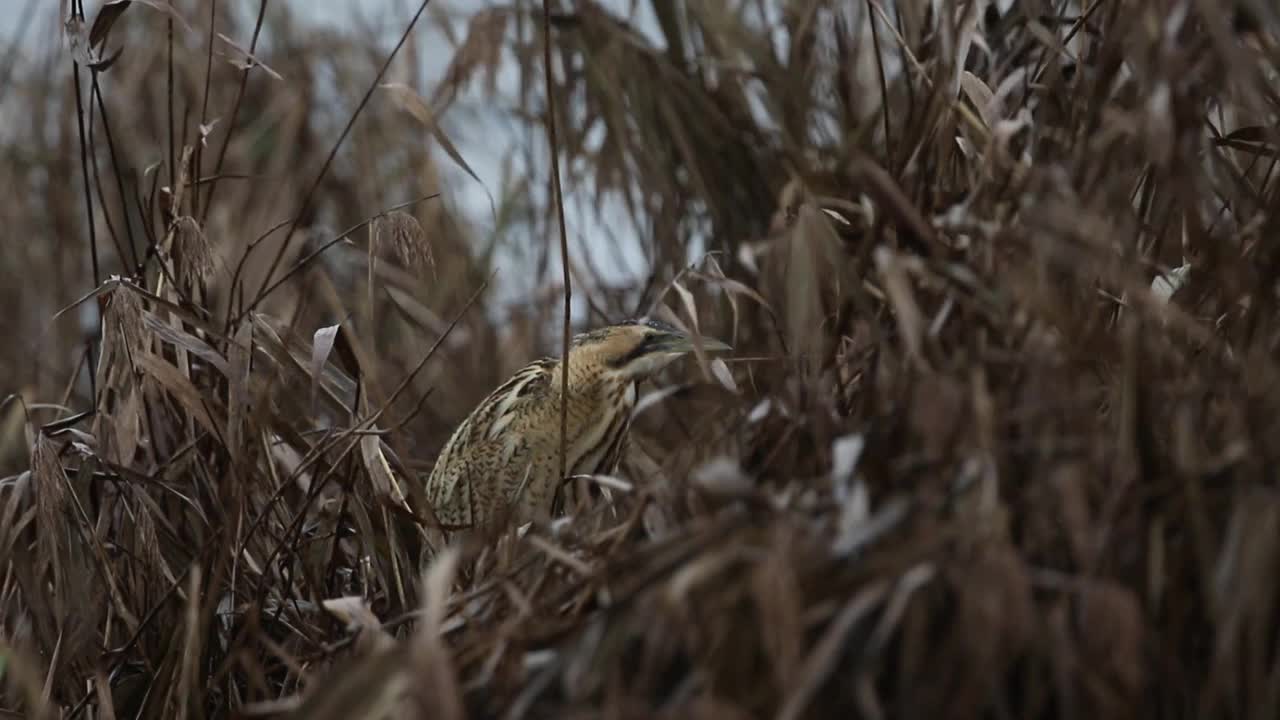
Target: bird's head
635	349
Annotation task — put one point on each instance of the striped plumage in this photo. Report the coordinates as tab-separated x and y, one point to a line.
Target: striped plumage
507	449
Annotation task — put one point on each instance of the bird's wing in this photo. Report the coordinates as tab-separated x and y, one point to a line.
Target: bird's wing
482	446
449	497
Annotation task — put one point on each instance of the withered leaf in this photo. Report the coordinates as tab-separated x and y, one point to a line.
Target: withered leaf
409	100
322	345
252	60
178	386
720	370
107	16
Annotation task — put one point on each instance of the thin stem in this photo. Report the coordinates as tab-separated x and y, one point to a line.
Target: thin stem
198	160
115	167
564	237
884	87
97	175
88	202
173	157
235	112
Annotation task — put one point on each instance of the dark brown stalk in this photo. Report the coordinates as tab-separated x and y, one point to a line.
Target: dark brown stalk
554	151
198	160
115	169
173	138
88	204
234	115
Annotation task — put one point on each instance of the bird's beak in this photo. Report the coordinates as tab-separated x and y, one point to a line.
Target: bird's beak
685	344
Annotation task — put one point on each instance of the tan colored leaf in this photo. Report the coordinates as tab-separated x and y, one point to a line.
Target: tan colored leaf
107	16
434	663
179	387
905	310
686	299
980	95
185	340
238	385
167	7
384	481
808	249
192	641
655	397
723	477
52	500
288	357
1166	284
321	346
128	426
198	258
733	287
721	372
252	60
409	100
846	451
355	612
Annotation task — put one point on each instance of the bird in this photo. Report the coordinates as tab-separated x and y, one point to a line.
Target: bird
503	459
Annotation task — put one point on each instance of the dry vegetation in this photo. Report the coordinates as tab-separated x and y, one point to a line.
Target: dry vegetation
968	459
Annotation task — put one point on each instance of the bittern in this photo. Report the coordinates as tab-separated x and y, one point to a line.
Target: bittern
505	456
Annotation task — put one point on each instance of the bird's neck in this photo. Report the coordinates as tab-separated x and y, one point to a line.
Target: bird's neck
586	378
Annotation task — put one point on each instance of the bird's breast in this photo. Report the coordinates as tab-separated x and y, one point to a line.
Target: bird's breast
601	437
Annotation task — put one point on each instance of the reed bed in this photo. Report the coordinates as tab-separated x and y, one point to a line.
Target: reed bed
998	437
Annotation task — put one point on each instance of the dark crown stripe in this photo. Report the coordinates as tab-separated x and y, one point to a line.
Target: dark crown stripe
643	347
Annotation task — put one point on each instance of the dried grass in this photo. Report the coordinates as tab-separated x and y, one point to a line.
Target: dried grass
998	437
